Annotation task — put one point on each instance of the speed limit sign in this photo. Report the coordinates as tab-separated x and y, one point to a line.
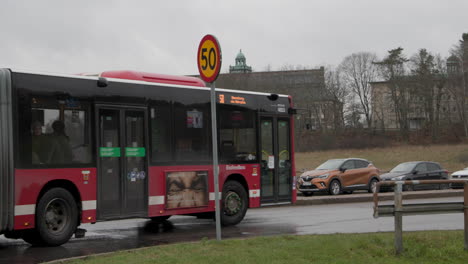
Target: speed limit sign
209	64
209	58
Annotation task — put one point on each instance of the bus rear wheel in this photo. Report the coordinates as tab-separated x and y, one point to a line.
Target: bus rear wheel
233	204
56	219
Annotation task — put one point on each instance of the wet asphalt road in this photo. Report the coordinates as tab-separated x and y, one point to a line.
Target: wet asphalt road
295	220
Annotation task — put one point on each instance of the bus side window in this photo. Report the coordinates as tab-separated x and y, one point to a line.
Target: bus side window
161	132
54	134
42	144
76	128
192	132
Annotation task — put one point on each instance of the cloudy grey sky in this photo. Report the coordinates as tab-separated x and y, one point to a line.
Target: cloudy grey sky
163	36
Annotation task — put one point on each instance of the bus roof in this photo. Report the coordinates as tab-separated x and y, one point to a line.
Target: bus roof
153	77
148	81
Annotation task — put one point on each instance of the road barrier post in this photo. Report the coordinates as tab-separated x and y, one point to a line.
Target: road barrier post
399	218
397	210
465	212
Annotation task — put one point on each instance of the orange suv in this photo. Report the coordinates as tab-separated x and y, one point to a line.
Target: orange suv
339	175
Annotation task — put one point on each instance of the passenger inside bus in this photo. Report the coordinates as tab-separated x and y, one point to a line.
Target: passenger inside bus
39	143
51	148
60	152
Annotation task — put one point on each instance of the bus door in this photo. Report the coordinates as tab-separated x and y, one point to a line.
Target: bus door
122	162
276	177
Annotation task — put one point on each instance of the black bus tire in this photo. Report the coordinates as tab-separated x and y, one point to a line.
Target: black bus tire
234	203
160	219
56	219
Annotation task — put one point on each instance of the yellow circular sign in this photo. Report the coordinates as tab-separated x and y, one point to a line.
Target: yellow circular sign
209	58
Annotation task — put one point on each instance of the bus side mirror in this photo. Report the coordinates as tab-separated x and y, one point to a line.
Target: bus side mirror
102	82
273	97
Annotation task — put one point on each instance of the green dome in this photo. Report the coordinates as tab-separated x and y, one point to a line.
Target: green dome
241	65
240	55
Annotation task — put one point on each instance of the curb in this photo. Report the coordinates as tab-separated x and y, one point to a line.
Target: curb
368	197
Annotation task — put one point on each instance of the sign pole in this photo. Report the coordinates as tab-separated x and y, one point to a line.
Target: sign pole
214	133
209	65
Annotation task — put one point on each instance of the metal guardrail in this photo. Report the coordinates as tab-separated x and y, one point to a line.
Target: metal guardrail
398	209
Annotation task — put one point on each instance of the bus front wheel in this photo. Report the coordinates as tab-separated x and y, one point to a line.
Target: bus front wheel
56	219
234	203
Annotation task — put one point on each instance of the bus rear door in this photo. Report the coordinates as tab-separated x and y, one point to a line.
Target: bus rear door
122	162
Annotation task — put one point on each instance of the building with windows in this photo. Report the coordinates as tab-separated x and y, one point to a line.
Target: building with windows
384	113
449	97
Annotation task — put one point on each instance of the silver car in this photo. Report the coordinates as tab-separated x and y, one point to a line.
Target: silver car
459	175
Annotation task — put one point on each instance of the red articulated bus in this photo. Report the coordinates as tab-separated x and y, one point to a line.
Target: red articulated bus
124	144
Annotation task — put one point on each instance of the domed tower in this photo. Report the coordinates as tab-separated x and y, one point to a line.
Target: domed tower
241	65
453	65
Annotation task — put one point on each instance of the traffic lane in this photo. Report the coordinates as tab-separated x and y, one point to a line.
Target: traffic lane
357	218
295	220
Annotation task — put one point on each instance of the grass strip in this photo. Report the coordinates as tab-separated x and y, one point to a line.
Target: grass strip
420	247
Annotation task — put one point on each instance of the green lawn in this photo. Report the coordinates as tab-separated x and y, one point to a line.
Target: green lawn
420	247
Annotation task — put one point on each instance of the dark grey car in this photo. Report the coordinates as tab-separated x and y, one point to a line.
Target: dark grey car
417	170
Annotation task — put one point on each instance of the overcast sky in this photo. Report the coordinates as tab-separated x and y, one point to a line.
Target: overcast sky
163	36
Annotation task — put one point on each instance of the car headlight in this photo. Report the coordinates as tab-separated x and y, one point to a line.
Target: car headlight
323	176
399	178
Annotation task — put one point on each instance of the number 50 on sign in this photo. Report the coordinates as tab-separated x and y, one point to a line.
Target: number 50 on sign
209	58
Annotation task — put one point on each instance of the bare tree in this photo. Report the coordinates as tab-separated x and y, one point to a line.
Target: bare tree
338	93
359	70
457	50
440	89
393	70
287	67
380	105
297	67
423	70
456	81
267	68
353	115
